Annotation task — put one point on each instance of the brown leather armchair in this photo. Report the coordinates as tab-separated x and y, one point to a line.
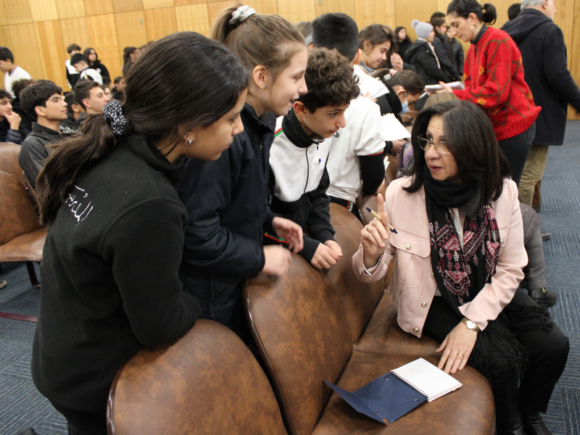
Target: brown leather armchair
207	382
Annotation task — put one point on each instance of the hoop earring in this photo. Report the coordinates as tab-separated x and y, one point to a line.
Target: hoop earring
473	31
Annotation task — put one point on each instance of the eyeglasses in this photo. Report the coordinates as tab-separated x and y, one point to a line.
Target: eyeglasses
440	146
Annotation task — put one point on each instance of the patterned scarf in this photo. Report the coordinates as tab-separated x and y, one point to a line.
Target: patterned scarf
460	273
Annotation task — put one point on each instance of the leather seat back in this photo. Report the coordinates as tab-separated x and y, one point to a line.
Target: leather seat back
303	336
207	382
17	209
9	161
358	299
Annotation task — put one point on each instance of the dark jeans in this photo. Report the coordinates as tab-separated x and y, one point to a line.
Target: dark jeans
516	150
547	359
82	423
231	314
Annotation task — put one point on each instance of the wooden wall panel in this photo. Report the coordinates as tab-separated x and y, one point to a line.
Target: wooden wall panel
5	39
574	52
151	4
215	8
297	10
192	18
264	6
408	10
52	51
188	2
565	19
43	10
26	51
103	38
127	5
75	31
160	22
326	6
98	7
131	31
70	8
375	11
17	11
3	19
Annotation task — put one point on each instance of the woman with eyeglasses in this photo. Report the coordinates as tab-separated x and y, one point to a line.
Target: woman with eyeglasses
456	228
494	79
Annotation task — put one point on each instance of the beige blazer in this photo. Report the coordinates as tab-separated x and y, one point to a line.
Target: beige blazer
413	284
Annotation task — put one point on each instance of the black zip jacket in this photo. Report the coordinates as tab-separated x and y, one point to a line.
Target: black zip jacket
35	151
312	210
25	120
9	135
423	59
444	52
110	275
227	202
544	56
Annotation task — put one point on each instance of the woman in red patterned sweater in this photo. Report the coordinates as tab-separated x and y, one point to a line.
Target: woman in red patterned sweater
494	79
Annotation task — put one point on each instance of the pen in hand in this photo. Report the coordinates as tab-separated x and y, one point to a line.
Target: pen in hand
375	214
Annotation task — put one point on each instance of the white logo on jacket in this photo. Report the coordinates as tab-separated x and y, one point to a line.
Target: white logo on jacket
77	204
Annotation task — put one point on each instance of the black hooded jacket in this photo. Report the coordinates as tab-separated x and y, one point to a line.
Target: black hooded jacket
544	56
422	57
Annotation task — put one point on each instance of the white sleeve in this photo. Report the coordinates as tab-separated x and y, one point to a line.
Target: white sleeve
370	138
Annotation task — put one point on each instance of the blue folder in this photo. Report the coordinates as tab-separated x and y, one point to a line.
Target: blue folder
385	398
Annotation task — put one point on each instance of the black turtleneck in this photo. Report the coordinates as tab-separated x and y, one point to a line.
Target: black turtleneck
479	35
295	132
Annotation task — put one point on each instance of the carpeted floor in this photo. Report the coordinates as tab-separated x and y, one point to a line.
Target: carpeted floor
21	406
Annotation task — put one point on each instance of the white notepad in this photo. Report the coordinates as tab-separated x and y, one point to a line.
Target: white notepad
393	129
427	379
457	86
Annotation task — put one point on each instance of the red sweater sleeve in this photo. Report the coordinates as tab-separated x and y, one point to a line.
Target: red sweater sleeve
495	67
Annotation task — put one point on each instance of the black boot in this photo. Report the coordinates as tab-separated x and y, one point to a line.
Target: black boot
543	297
534	425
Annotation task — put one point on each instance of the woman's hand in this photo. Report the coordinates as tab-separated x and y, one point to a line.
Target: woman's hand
397	62
375	235
326	256
446	88
289	231
457	347
277	260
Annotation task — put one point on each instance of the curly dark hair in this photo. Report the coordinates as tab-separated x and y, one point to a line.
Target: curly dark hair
19	85
330	80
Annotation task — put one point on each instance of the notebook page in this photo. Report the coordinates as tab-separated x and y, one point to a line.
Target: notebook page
426	378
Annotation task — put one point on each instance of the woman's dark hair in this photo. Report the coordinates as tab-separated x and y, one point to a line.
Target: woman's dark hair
462	8
260	39
377	34
87	51
408	79
399	40
164	101
127	52
471	140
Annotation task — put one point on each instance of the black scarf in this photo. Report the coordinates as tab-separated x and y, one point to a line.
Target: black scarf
461	273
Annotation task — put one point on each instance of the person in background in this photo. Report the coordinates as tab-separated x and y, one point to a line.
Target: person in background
495	80
81	64
227	200
443	48
92	98
108	197
422	55
377	44
74	111
12	72
544	55
403	42
356	155
10	129
458	54
72	75
119	89
97	65
514	10
130	56
26	121
305	28
298	175
43	101
460	207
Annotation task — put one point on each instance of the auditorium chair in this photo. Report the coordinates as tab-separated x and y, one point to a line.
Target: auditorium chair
313	325
21	236
207	382
9	161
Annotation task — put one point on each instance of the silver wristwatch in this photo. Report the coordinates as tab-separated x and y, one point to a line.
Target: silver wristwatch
470	324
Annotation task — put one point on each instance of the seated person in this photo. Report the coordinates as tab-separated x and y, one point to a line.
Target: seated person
73	113
42	101
356	157
460	257
91	97
119	89
10	128
25	121
298	175
81	64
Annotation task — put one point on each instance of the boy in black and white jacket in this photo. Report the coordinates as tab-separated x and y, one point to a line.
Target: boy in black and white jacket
298	175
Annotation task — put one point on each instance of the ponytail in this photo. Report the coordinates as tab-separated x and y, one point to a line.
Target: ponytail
257	39
463	8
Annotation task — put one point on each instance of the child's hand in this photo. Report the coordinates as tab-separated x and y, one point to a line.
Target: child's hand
334	246
325	257
277	260
289	231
